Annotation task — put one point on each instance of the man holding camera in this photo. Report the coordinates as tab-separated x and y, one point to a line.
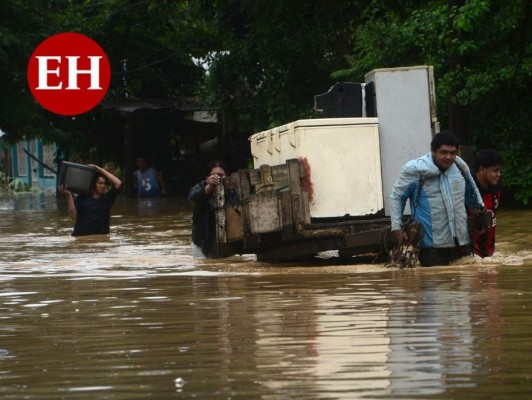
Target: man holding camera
439	187
201	195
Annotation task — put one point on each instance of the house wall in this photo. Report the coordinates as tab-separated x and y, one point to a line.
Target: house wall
30	171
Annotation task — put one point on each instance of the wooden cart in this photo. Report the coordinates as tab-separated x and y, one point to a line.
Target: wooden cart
271	219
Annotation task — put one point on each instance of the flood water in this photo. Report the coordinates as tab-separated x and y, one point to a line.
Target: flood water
132	316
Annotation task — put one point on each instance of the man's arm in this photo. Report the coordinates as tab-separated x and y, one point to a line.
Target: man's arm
403	186
472	196
204	189
196	195
70	201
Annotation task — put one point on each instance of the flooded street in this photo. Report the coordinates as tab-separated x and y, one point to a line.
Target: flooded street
132	316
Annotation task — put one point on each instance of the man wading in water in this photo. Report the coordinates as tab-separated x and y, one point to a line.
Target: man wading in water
438	186
92	212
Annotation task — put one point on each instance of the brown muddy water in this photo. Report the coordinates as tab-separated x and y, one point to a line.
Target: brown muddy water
132	316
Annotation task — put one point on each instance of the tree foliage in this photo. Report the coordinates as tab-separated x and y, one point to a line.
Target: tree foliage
481	51
261	63
149	45
274	58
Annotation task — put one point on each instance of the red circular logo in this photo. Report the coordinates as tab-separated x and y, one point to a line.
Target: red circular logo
69	74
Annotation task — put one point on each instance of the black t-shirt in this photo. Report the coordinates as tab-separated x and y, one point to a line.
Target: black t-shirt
93	215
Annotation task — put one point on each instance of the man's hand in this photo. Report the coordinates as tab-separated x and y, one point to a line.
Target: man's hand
399	235
64	190
482	220
411	233
213	179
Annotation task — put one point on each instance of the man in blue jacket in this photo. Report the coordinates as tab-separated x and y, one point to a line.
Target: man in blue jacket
439	187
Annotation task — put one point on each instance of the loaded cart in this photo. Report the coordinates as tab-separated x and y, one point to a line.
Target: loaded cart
324	184
272	218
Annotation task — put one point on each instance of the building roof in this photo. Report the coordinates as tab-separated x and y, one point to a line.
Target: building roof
133	104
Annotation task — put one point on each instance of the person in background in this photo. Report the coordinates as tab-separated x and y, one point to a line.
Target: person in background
92	212
487	166
436	185
203	214
148	180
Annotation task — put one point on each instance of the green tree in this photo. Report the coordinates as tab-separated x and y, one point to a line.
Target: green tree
149	44
266	61
22	27
272	59
481	51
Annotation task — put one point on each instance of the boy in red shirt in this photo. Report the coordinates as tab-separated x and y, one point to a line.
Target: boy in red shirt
487	173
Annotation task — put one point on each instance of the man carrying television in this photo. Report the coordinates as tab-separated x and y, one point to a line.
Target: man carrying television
92	212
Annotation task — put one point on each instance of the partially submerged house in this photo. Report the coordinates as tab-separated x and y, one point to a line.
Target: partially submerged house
29	161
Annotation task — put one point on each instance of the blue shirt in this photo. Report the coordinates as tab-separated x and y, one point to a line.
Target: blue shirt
147	184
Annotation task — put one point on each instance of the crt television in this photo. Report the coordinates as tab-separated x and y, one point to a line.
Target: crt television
78	178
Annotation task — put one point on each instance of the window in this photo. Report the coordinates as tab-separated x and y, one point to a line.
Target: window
48	158
22	160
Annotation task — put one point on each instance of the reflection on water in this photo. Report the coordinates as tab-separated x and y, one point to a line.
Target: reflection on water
132	315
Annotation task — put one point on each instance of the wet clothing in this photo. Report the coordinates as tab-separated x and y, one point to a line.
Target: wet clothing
147	184
438	200
484	243
93	215
197	253
204	217
430	257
